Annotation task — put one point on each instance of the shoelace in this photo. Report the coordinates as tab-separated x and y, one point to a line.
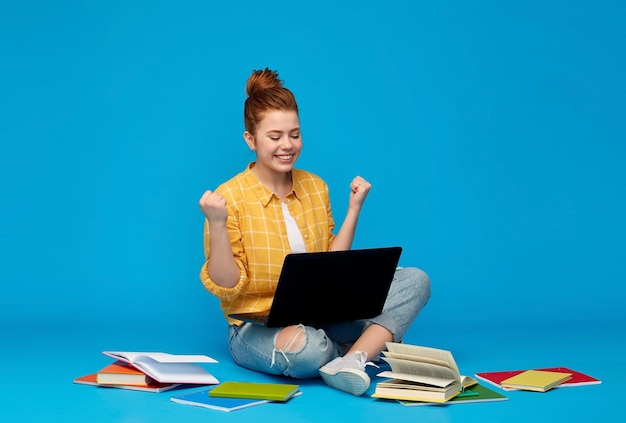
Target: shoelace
362	360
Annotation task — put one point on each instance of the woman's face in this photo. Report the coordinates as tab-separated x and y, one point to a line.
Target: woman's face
277	141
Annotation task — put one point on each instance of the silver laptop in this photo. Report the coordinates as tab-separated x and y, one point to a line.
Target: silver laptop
318	288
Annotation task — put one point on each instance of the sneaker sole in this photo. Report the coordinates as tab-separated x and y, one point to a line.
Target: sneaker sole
352	381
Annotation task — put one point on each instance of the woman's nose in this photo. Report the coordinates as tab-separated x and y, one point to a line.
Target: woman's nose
286	142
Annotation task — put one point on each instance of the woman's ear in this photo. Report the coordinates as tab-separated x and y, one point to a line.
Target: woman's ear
249	138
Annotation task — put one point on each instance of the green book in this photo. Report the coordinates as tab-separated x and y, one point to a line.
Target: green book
476	393
251	390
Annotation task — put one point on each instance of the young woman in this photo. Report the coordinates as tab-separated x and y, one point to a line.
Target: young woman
272	209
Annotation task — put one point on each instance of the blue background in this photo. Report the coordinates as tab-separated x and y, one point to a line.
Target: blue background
493	135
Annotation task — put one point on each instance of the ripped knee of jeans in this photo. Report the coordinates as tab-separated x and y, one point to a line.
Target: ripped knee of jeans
291	339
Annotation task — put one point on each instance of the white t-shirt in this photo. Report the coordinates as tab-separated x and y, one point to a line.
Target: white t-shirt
296	242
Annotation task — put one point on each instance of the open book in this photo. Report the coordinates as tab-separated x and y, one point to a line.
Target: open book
420	374
169	368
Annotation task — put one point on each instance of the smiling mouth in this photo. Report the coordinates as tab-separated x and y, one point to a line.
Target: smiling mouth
285	157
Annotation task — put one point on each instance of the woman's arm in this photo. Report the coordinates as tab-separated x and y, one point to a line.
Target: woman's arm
221	267
359	188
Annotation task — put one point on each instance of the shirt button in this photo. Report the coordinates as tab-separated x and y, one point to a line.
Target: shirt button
306	236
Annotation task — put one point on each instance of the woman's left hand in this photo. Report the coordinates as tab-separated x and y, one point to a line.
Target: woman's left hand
359	188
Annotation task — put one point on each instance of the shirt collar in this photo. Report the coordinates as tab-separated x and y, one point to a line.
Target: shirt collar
263	193
296	184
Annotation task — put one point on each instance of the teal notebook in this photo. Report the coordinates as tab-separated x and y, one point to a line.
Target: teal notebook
251	390
476	393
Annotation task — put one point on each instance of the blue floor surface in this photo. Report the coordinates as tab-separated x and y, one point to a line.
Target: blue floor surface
38	366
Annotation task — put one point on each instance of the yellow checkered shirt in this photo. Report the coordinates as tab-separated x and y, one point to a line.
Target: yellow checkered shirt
258	235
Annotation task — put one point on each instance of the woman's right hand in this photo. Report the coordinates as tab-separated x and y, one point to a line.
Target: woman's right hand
213	207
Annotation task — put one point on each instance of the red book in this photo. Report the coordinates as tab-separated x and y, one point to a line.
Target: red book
578	379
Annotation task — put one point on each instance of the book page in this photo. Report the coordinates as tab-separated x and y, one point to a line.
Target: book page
416	386
424	354
416	358
422	369
175	372
179	358
131	357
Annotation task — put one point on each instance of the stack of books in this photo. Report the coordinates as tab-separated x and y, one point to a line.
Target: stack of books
150	371
539	380
230	396
422	374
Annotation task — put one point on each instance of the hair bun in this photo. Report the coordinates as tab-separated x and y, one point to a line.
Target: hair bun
261	80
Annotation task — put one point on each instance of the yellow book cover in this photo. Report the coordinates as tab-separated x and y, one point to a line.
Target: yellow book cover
536	380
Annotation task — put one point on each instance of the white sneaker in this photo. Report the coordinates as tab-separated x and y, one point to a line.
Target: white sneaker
347	373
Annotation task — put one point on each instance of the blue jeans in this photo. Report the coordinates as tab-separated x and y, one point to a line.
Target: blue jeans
253	346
